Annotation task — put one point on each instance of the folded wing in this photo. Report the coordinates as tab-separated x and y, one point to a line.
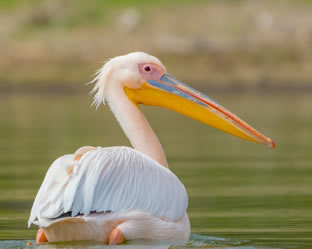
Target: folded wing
109	180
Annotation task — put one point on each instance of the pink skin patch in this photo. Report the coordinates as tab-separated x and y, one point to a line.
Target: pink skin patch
150	71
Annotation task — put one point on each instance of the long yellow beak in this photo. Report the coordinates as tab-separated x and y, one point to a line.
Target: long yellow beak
172	94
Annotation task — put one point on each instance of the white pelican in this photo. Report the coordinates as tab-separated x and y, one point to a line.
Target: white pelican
119	193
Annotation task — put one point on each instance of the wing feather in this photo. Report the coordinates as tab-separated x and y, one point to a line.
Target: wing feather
109	179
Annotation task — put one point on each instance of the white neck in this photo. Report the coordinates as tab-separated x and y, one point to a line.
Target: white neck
136	127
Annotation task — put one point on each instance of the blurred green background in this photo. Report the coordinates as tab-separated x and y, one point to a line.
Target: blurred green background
254	57
240	43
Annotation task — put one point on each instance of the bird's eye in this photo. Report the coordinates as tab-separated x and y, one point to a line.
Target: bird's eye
147	69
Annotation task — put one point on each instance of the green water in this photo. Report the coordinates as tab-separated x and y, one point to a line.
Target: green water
244	194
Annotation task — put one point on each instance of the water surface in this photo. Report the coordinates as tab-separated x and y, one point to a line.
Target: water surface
242	194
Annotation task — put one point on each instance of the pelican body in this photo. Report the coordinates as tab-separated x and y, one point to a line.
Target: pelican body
120	193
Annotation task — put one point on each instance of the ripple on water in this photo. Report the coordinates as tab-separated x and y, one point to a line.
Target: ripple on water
196	241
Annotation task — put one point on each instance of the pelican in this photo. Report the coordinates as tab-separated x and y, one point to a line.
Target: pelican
119	193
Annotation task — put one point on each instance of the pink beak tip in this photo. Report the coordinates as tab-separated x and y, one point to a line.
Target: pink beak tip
272	144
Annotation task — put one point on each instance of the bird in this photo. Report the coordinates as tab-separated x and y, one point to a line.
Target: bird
121	193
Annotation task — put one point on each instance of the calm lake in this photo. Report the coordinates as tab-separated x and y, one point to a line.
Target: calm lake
241	194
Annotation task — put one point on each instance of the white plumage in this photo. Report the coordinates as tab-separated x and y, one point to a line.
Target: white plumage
113	179
118	193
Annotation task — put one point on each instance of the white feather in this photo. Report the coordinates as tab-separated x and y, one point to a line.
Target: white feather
109	179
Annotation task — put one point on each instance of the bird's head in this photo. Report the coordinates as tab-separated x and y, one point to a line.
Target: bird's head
145	80
127	71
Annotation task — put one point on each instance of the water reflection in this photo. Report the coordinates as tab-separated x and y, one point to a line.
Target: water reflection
196	241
